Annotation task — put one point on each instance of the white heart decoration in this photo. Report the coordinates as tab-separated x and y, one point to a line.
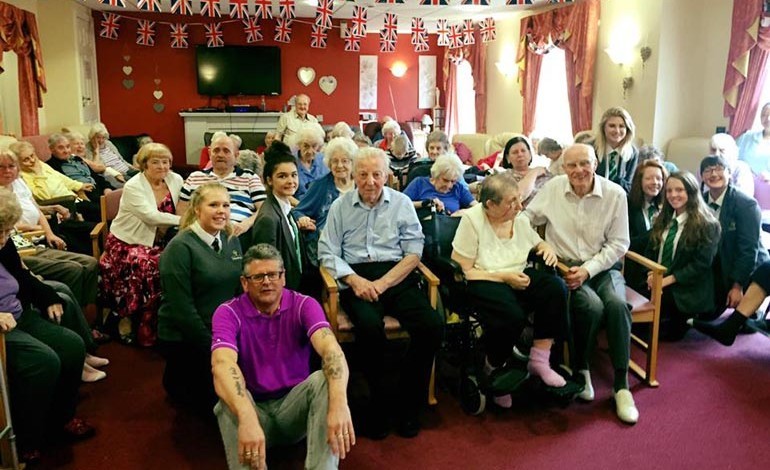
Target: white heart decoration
306	75
327	84
157	94
127	69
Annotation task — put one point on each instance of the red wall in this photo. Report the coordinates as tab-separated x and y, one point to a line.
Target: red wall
130	111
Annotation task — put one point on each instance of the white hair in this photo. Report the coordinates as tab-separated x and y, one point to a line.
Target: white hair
342	129
337	145
371	152
391	126
447	164
311	134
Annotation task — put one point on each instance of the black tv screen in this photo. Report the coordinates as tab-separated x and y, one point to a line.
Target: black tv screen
239	70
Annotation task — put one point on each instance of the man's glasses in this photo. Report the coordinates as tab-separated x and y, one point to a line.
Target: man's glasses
714	169
259	278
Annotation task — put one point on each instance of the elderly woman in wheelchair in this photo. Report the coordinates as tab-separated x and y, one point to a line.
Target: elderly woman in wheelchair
492	247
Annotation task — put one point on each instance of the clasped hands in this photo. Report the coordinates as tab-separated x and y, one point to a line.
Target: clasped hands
366	289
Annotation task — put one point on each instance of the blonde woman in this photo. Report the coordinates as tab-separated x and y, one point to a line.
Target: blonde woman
615	147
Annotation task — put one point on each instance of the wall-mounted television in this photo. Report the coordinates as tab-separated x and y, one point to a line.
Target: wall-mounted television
239	70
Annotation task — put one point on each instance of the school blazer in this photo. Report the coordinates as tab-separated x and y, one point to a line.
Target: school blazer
271	227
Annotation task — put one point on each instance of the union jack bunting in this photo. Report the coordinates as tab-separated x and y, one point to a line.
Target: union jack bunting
455	36
418	30
561	1
488	30
484	3
468	37
282	30
149	5
214	35
323	14
518	2
434	2
181	7
210	8
421	45
286	9
387	42
390	2
145	33
359	22
110	26
114	3
352	44
390	25
318	37
238	9
264	9
179	36
442	31
252	29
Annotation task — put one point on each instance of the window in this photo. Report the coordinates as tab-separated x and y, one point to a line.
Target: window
552	118
466	99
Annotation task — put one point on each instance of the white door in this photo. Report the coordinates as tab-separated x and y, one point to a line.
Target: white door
89	85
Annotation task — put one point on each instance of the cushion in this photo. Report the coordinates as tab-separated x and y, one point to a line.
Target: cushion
5	141
40	142
465	154
474	142
498	142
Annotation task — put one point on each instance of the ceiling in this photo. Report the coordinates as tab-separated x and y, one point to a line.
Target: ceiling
454	12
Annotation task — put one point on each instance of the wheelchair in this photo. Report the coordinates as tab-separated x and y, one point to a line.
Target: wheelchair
462	356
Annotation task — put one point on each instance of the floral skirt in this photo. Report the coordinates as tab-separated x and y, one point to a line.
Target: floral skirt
130	282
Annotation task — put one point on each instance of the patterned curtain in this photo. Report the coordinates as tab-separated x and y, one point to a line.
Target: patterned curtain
476	55
19	34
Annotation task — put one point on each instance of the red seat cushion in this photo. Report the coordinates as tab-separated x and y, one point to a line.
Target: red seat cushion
639	303
345	325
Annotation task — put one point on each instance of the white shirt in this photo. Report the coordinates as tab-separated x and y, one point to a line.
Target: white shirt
719	201
646	213
289	124
476	239
591	231
206	237
682	221
30	214
285	209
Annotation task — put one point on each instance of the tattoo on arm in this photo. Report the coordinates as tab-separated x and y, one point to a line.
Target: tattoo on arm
333	365
238	381
325	333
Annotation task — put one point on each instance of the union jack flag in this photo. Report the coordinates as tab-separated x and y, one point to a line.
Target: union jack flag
214	35
110	26
181	7
323	14
561	1
352	44
264	9
442	31
179	36
114	3
359	22
390	2
286	9
418	30
318	37
145	33
390	25
210	8
455	37
434	2
282	30
252	29
149	5
387	42
484	3
421	45
468	37
518	2
488	30
238	8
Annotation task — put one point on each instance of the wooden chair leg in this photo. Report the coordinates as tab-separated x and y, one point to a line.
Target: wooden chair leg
432	386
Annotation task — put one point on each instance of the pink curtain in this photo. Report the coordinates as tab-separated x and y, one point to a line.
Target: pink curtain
452	123
18	33
476	55
746	65
575	29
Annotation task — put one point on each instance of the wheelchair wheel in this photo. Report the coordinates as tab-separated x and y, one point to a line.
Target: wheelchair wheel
472	400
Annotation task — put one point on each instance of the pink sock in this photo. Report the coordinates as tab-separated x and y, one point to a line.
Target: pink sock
538	365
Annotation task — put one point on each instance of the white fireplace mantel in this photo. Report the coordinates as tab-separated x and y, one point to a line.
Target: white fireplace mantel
197	124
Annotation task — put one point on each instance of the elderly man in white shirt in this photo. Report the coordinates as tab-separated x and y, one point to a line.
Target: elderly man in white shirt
295	120
586	222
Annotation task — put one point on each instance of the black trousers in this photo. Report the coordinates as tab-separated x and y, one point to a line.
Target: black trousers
407	303
187	377
502	311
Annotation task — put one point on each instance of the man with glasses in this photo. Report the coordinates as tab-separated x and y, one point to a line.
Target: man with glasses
372	245
261	346
586	222
740	245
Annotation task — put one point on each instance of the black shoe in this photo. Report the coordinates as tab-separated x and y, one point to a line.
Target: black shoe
376	427
409	427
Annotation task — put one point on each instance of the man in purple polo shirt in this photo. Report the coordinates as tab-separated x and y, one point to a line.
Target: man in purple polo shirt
260	356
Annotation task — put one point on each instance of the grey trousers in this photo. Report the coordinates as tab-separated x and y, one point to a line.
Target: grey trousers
602	301
78	271
286	420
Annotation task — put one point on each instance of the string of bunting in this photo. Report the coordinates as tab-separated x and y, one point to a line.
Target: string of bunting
453	36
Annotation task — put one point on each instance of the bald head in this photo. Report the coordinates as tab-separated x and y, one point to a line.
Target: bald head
580	165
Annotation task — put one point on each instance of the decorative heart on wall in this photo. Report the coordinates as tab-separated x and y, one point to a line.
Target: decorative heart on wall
306	75
127	69
327	84
128	84
157	94
158	107
126	58
157	81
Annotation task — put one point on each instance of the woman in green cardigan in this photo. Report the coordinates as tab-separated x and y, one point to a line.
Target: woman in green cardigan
199	269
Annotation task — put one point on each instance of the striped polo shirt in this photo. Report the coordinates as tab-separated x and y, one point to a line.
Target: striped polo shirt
244	186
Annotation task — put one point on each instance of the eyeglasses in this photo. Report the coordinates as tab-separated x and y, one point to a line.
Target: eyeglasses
714	169
341	161
259	278
11	166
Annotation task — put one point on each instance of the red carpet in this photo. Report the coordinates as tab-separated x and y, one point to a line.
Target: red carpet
711	411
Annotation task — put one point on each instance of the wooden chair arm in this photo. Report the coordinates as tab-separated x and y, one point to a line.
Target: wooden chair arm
433	283
32	234
330	299
97	229
562	268
328	281
646	262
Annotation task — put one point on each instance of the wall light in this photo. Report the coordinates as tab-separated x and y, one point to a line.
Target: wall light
398	69
507	68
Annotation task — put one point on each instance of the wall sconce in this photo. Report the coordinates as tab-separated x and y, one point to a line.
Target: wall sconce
398	69
508	69
427	121
623	56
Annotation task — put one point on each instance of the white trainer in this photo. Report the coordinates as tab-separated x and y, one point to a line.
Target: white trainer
588	390
625	407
